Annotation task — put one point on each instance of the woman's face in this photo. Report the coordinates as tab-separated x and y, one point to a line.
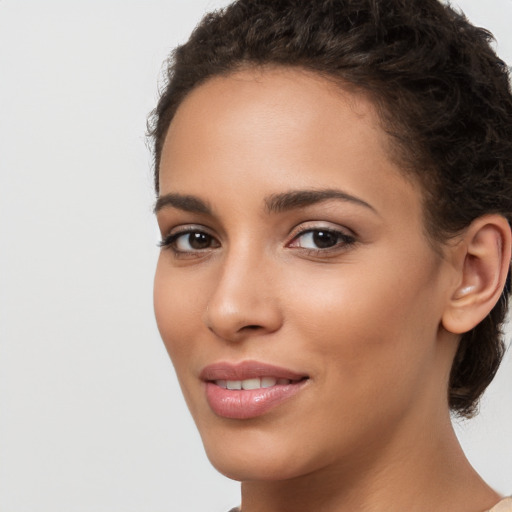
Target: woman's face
296	268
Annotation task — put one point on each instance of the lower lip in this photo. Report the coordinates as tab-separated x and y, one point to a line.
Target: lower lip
244	404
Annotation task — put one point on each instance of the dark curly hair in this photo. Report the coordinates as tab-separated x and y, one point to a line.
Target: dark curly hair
441	93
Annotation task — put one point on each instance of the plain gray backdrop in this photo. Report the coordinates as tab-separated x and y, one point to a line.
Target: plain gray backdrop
91	417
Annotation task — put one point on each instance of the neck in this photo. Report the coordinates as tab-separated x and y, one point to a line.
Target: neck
427	472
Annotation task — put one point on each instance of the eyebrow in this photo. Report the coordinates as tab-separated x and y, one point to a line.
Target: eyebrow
183	202
300	198
274	203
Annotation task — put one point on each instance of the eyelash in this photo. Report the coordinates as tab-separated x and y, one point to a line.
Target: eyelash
343	241
169	241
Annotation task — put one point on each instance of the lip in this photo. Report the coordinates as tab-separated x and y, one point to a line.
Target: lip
247	370
246	404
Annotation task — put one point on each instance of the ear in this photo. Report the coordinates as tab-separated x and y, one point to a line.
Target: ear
482	262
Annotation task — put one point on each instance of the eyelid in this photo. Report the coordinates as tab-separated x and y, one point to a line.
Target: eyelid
347	238
305	227
182	230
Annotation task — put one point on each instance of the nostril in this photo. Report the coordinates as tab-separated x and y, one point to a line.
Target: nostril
252	327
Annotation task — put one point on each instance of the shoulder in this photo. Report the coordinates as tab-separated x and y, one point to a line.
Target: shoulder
504	505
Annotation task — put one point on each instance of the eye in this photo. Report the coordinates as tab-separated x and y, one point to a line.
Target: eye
322	239
189	241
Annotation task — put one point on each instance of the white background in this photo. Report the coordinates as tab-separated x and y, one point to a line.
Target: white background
91	417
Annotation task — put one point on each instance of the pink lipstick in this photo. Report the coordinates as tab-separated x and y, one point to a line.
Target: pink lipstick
248	389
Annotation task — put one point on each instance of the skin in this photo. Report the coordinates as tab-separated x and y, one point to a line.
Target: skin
370	430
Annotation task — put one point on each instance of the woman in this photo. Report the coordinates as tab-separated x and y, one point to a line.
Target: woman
334	198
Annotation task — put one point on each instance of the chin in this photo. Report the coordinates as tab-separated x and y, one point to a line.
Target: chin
259	456
257	468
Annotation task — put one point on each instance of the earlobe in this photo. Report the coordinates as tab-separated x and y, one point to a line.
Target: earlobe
482	264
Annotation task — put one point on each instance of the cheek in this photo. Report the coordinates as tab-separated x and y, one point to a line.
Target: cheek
367	323
372	348
177	311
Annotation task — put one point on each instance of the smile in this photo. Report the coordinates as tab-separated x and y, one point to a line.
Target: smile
249	389
256	383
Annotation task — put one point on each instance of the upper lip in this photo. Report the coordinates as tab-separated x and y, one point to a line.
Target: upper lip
247	370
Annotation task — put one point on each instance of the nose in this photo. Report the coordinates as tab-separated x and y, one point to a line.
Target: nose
244	301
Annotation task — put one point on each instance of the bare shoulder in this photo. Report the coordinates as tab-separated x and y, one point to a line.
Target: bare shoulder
504	505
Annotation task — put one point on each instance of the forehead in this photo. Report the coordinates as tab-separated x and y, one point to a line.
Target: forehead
284	126
275	96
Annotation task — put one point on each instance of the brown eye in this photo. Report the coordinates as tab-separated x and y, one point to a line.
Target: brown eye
199	241
325	239
318	239
193	241
189	241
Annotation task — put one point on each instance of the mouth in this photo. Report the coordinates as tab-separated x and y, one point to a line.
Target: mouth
249	389
255	383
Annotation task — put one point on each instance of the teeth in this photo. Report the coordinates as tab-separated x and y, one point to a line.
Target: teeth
256	383
251	384
268	382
